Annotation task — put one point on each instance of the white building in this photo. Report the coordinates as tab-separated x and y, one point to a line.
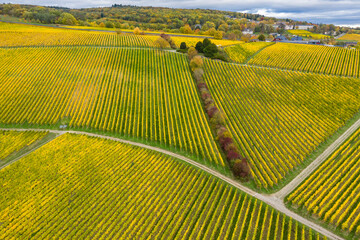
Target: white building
248	31
304	27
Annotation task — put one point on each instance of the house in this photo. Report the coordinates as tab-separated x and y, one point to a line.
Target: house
280	38
296	38
248	31
304	27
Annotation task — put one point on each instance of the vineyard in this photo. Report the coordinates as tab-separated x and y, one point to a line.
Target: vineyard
332	192
279	117
310	58
12	141
12	35
307	34
241	52
351	37
77	187
108	89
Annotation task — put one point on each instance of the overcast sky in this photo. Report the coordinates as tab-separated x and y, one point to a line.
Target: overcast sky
339	12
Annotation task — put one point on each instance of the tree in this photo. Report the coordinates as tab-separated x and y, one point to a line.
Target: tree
261	37
102	25
231	36
186	29
183	45
196	62
169	40
206	42
192	52
208	25
211	31
137	31
68	19
199	47
162	43
241	168
109	24
210	50
218	35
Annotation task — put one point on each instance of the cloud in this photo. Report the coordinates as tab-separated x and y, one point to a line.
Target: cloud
339	12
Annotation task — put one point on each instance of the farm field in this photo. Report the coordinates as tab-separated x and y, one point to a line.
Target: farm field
12	141
332	193
309	58
278	118
241	52
351	37
77	187
308	34
111	90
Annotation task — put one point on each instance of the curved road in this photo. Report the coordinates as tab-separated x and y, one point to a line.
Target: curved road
271	200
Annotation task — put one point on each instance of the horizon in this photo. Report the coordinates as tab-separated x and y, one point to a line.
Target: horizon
337	12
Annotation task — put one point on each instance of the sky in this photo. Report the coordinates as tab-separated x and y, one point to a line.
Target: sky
338	12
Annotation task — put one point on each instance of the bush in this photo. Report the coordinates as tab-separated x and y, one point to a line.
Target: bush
198	73
161	43
206	42
218	35
224	141
211	111
232	155
210	50
192	52
261	37
137	31
169	40
241	168
109	24
196	62
183	45
199	47
231	147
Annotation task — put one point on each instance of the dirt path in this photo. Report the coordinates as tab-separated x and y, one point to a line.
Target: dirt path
30	151
281	194
271	200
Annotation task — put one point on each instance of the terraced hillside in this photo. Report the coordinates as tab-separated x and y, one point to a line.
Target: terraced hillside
12	141
279	117
310	58
78	187
144	94
332	192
